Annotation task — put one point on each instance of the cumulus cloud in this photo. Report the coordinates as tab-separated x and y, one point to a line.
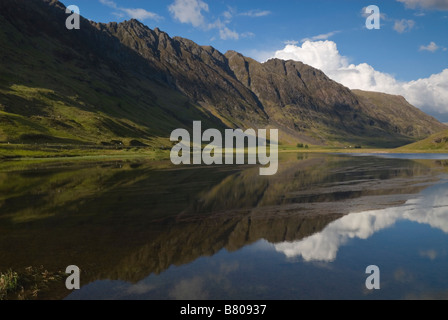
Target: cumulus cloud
137	13
324	246
189	11
426	4
429	94
404	25
432	47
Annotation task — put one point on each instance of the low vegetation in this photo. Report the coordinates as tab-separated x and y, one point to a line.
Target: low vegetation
8	283
28	284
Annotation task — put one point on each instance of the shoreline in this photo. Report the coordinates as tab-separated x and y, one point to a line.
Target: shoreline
84	153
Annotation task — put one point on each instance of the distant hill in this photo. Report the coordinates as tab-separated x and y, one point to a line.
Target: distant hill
396	112
436	142
113	83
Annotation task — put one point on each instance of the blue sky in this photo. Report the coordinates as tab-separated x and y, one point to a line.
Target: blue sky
411	44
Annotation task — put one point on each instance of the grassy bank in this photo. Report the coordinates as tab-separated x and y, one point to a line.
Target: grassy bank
54	152
321	149
58	153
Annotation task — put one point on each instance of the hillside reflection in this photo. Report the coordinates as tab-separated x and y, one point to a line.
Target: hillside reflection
431	209
127	220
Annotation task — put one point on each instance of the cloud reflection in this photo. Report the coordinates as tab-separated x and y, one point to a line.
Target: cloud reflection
430	209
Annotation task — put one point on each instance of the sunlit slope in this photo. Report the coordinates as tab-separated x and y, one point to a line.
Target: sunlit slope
437	142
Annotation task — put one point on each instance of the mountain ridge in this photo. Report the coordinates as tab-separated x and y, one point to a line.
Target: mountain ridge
126	82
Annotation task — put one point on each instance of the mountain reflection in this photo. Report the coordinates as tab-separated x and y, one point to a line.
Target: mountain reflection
127	220
430	208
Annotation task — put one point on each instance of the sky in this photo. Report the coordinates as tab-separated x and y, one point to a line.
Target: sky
407	55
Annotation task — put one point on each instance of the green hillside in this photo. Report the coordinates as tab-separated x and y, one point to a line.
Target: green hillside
437	143
54	92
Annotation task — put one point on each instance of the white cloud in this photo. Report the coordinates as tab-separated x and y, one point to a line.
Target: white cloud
324	36
426	4
431	210
218	24
404	25
192	12
225	34
325	245
189	11
109	3
429	94
432	47
256	13
138	13
228	15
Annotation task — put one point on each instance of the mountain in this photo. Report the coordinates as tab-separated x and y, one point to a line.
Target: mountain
385	107
80	86
125	83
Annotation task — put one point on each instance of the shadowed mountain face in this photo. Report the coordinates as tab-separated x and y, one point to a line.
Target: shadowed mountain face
125	81
127	220
201	73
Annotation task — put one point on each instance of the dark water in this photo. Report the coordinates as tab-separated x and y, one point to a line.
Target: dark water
151	231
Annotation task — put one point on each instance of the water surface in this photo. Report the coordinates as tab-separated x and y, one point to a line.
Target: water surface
139	230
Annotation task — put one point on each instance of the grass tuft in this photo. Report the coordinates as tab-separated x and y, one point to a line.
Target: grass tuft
9	282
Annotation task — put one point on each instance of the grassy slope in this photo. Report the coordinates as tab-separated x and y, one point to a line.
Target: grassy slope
435	143
49	98
386	107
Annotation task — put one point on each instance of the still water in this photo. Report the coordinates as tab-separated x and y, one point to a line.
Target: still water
142	230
